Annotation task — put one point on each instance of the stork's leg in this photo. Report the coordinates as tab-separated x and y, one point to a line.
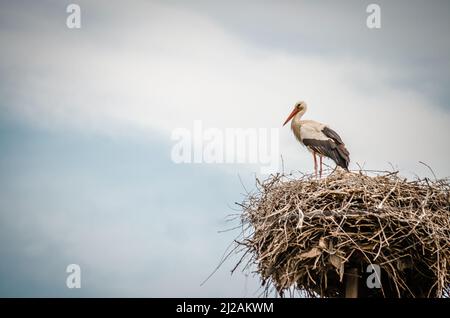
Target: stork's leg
320	173
315	164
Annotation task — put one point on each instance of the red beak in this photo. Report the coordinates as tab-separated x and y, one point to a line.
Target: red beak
294	112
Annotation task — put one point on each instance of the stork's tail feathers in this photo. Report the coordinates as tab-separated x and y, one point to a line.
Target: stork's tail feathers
343	158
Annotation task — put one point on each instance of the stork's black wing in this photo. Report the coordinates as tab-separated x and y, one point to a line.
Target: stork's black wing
333	148
330	133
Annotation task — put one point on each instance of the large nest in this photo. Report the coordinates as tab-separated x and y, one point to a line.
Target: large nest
304	233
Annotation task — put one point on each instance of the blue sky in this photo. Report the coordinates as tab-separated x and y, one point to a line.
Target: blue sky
86	118
98	202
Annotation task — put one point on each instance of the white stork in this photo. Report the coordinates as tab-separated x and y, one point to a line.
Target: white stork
318	138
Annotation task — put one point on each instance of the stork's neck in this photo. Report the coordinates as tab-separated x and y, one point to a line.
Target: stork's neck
296	121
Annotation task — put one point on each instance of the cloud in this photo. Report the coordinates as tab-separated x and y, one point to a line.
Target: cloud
157	67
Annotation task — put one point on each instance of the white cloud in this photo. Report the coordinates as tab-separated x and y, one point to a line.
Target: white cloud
175	66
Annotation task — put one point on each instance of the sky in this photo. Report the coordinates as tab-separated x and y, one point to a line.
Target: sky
88	115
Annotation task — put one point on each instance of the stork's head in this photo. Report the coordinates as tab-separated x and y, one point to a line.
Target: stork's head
299	108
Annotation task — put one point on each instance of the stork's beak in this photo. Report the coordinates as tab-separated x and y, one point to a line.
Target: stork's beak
294	112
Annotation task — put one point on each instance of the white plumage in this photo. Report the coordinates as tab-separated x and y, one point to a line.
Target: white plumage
318	138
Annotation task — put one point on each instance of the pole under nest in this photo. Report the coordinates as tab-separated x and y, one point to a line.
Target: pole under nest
351	283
